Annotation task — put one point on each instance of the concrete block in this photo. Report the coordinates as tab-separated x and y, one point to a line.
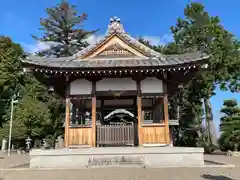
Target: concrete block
116	157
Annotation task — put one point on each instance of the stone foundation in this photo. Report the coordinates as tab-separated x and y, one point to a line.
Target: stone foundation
117	157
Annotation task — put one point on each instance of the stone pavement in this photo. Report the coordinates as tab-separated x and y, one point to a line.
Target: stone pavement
15	163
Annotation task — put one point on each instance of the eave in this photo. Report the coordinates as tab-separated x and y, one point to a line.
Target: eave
111	70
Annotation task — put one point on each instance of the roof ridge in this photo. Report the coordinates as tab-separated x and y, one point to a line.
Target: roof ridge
143	46
116	28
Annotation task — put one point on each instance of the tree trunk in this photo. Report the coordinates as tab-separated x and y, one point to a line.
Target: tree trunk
209	122
54	140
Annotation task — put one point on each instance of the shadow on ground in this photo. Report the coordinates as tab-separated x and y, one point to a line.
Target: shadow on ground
213	177
26	165
208	162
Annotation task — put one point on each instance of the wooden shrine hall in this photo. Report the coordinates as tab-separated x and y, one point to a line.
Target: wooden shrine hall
117	90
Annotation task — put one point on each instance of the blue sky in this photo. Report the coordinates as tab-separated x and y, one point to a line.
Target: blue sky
150	19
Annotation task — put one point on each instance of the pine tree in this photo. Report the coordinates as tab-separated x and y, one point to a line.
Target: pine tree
62	31
230	124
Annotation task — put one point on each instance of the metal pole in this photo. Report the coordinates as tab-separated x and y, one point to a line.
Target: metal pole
10	128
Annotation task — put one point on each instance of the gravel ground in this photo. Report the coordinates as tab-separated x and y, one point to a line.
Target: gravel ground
126	174
14	161
222	173
222	159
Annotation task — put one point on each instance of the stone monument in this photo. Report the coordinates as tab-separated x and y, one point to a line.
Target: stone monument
28	143
60	142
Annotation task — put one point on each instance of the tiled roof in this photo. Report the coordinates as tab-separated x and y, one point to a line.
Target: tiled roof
115	27
70	62
153	58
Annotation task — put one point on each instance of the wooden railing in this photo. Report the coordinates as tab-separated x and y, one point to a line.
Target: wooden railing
115	134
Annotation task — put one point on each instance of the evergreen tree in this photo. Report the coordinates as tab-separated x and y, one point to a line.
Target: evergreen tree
230	124
62	31
147	43
198	31
30	113
10	73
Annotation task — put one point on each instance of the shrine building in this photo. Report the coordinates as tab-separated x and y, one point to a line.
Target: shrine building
117	90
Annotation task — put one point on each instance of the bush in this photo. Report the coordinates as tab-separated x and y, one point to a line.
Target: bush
204	142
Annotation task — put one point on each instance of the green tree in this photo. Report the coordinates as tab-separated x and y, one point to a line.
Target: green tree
55	128
49	123
198	31
32	115
62	31
230	125
170	48
31	112
10	73
147	43
191	115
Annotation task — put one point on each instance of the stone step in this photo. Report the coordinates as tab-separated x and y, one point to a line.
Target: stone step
79	146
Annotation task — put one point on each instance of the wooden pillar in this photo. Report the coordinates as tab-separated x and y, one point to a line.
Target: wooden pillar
135	106
167	135
139	112
102	111
67	122
94	108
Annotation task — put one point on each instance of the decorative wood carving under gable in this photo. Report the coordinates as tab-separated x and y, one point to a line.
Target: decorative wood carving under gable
115	50
114	46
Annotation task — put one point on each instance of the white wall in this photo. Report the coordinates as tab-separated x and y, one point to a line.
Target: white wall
148	85
116	84
152	85
80	86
